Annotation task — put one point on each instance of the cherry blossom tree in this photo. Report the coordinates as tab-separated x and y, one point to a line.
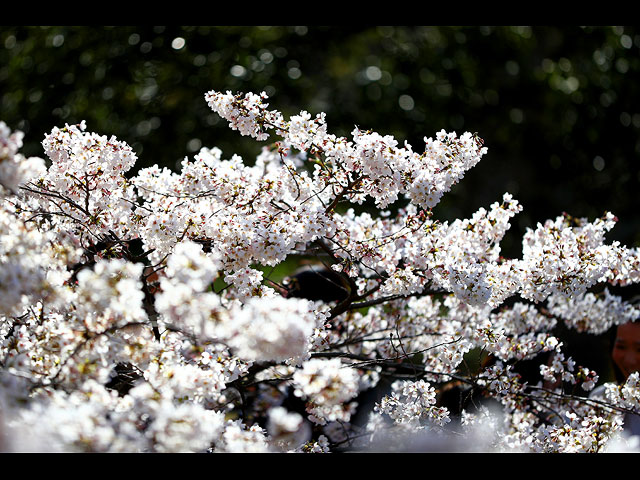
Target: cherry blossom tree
138	312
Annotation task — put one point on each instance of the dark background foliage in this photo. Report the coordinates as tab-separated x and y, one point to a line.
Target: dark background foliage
557	106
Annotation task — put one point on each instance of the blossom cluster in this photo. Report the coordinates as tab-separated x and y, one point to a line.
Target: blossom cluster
139	311
413	402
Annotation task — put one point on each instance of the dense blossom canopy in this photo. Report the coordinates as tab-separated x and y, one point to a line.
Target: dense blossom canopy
138	314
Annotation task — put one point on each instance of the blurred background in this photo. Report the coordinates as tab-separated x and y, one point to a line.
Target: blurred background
557	107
